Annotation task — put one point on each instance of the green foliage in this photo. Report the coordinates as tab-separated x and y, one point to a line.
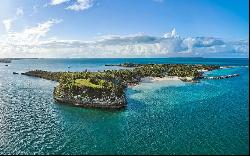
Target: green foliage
87	83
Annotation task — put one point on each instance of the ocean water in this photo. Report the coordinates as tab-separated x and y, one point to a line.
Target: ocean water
210	117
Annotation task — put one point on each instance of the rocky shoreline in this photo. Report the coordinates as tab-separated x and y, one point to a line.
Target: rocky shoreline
91	103
97	104
219	77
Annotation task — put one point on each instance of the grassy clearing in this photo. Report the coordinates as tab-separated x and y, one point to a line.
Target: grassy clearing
87	83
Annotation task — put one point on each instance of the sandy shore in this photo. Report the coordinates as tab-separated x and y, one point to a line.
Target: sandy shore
166	78
154	83
203	70
154	79
157	82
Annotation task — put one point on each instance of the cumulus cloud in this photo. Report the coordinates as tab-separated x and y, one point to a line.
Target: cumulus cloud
31	36
29	43
81	5
172	34
25	43
76	5
7	24
57	2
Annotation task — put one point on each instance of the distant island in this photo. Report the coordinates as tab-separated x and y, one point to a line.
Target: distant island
5	60
8	60
106	89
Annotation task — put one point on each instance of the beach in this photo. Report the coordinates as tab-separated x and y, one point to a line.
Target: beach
167	79
155	83
155	79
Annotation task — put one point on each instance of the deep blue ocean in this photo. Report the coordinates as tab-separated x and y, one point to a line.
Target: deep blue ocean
210	117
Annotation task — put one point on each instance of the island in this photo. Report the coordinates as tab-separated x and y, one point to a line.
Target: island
5	60
106	89
8	60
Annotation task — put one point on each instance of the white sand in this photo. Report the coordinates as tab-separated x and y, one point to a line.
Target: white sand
186	78
154	79
154	83
202	70
223	67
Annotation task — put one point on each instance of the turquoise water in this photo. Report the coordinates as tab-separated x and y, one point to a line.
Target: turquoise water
210	117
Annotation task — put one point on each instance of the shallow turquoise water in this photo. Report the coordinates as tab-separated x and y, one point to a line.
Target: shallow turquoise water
210	117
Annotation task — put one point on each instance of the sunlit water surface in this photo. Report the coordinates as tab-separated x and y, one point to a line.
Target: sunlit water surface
210	117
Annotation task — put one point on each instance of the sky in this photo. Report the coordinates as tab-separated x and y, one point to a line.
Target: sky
124	28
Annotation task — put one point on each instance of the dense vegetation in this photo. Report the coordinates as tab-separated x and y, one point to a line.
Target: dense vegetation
110	85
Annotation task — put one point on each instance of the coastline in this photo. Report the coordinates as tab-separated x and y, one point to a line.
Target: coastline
155	83
154	79
98	104
106	89
167	80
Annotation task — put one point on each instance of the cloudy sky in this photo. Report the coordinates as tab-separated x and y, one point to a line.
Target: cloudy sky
124	28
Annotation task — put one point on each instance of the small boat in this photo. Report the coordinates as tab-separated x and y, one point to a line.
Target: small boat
15	73
6	65
68	66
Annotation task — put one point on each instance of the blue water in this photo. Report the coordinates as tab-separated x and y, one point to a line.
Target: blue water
210	117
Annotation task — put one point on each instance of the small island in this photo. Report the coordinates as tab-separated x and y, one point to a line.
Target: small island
8	60
5	60
106	89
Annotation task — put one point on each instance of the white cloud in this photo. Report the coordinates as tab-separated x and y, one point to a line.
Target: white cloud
7	24
31	36
81	5
172	34
57	2
25	43
30	43
76	5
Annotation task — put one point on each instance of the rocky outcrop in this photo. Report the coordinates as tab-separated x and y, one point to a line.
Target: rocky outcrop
220	77
79	101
